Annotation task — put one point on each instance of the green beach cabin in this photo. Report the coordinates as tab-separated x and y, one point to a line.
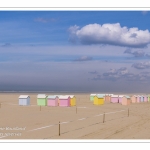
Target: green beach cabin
41	100
148	98
92	97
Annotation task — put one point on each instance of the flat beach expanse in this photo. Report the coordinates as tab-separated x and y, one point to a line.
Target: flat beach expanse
86	121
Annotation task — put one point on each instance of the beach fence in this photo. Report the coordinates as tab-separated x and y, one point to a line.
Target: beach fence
66	128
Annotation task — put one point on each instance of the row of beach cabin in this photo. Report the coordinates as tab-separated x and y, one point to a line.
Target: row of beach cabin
50	100
99	99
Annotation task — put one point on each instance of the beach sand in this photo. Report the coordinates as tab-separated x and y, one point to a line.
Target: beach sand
29	122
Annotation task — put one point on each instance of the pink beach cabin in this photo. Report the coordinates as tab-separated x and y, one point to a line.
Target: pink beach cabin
145	98
114	99
64	101
52	100
120	98
138	97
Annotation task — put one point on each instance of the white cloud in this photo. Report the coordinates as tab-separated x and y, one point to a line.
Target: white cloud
110	34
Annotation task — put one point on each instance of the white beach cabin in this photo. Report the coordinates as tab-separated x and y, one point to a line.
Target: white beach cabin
24	100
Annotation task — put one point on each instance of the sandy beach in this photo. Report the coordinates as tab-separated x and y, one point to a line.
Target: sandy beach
86	121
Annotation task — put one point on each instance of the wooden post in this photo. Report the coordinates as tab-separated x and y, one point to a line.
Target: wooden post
59	128
104	117
128	112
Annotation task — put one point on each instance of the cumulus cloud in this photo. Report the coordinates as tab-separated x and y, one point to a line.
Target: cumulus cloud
110	34
84	58
141	65
72	36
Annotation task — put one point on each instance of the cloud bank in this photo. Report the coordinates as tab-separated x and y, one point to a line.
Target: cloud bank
138	53
141	65
109	34
84	58
123	74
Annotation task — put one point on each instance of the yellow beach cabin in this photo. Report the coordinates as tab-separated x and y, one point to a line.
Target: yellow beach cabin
99	99
72	100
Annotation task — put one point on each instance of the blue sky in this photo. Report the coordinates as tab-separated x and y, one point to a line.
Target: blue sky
93	51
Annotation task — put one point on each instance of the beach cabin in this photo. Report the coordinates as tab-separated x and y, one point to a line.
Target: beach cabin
24	100
58	98
141	98
72	100
107	98
148	98
41	100
126	100
101	95
92	97
133	99
64	101
120	98
145	98
52	100
98	100
138	98
114	99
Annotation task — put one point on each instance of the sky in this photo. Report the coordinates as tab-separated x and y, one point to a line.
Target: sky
76	51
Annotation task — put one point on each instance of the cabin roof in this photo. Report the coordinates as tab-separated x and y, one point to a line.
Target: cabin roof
127	96
41	96
52	96
121	95
71	96
114	96
100	95
23	96
64	97
93	94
